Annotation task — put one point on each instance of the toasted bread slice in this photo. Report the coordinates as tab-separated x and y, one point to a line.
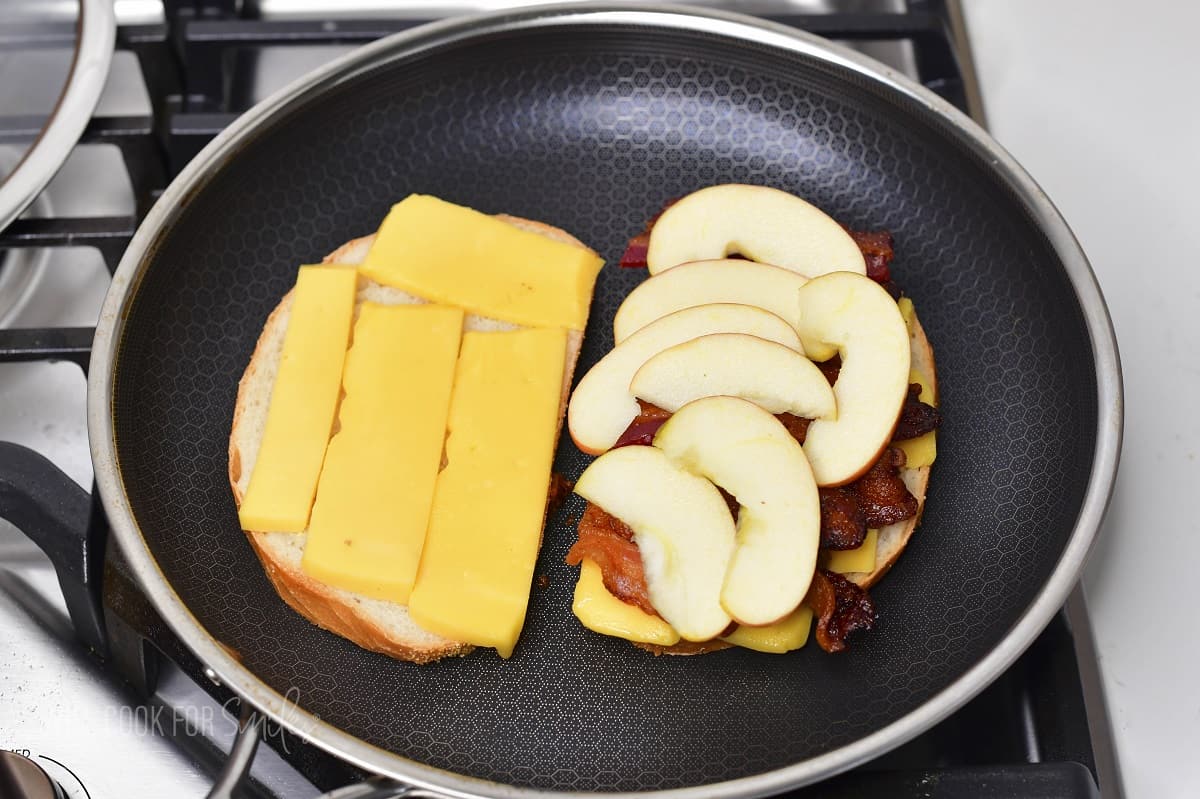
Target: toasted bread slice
371	623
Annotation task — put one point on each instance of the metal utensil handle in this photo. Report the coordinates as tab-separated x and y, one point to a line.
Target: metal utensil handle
245	746
241	754
382	788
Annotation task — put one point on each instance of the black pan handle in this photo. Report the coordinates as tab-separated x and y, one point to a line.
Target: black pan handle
60	517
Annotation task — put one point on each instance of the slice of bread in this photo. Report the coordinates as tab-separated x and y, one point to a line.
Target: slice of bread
371	623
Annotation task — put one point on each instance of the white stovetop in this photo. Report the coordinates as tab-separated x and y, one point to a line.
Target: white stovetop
1098	100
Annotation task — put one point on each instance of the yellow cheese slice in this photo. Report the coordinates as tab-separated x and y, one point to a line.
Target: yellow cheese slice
601	612
373	500
490	500
922	450
303	402
859	559
785	635
447	253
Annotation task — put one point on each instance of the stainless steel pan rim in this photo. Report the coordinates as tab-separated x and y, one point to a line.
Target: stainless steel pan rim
277	707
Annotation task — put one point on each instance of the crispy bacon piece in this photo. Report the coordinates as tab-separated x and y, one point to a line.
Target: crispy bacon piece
560	489
882	495
642	429
608	541
831	368
731	502
843	524
634	256
796	425
877	247
841	608
916	418
635	253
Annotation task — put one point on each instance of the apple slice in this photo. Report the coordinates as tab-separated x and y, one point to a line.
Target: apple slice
703	282
772	376
763	224
682	527
749	453
853	315
602	407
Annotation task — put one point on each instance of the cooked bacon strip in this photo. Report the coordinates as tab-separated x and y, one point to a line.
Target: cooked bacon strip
843	525
877	247
560	489
916	418
877	250
796	425
635	253
608	541
831	368
642	429
882	495
841	608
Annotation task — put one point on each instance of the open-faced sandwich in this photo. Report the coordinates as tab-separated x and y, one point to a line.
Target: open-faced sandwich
765	430
395	428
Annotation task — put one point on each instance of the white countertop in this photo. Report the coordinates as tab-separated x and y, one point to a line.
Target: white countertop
1099	101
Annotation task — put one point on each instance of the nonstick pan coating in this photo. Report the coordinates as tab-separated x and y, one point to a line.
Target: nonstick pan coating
591	127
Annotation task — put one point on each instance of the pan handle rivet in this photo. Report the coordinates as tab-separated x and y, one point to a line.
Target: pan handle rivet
212	677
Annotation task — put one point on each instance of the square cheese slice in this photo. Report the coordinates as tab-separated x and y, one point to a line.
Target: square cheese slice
490	502
372	506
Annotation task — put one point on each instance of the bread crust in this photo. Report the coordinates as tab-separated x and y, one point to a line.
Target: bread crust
370	623
894	538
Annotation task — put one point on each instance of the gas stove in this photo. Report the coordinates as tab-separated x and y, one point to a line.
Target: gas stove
97	697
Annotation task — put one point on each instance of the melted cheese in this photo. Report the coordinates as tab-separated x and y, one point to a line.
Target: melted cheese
373	500
859	559
601	612
922	450
490	500
303	402
785	635
451	254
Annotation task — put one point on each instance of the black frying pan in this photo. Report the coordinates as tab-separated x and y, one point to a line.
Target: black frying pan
590	120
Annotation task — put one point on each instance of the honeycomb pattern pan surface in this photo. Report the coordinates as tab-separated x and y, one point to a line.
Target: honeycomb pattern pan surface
592	129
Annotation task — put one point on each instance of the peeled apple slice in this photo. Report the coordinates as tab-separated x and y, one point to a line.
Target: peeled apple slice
749	453
682	527
703	282
602	406
763	224
853	315
772	376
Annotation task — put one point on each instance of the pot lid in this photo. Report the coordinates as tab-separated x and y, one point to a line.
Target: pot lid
54	59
